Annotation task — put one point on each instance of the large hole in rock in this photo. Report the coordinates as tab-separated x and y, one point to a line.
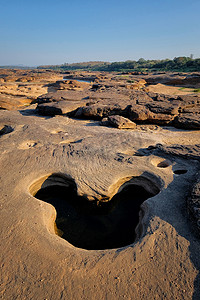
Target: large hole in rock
94	225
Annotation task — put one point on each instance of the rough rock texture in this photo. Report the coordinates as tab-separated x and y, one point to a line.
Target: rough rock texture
186	80
118	122
161	110
18	88
194	203
38	263
188	121
181	111
69	85
58	108
161	261
9	102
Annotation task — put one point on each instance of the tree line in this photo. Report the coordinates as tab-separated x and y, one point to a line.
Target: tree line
178	64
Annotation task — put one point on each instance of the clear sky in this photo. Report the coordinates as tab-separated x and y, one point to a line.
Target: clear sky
34	32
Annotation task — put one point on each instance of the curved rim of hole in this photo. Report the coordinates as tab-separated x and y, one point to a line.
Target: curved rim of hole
160	162
148	182
52	179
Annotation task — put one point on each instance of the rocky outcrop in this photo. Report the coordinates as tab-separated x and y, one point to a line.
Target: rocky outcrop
185	151
60	96
118	122
99	111
152	109
69	85
18	88
9	102
140	107
104	207
187	121
177	79
58	108
32	75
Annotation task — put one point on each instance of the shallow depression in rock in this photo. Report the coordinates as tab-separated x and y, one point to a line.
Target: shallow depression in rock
94	225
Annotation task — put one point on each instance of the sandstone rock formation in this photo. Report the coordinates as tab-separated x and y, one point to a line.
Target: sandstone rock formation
90	211
19	88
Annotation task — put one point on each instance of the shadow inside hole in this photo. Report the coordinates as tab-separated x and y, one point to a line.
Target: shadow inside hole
163	164
179	172
5	129
96	225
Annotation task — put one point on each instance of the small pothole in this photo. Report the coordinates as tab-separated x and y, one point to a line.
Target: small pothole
163	164
28	144
4	129
159	162
179	172
94	225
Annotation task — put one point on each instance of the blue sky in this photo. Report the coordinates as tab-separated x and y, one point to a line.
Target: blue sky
34	32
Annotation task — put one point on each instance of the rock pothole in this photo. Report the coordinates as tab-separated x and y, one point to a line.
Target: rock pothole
4	129
28	144
95	225
164	164
160	162
180	171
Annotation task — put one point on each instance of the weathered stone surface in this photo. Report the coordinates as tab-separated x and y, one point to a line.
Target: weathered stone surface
164	107
58	108
78	95
98	111
18	89
118	122
193	202
187	121
185	151
140	114
69	85
99	160
17	75
97	165
138	106
5	129
9	102
174	79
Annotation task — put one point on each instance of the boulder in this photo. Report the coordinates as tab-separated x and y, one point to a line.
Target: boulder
187	121
164	107
118	122
99	111
142	114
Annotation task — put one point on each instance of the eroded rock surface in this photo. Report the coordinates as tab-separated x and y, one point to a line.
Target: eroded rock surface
194	203
138	106
18	88
118	122
61	164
